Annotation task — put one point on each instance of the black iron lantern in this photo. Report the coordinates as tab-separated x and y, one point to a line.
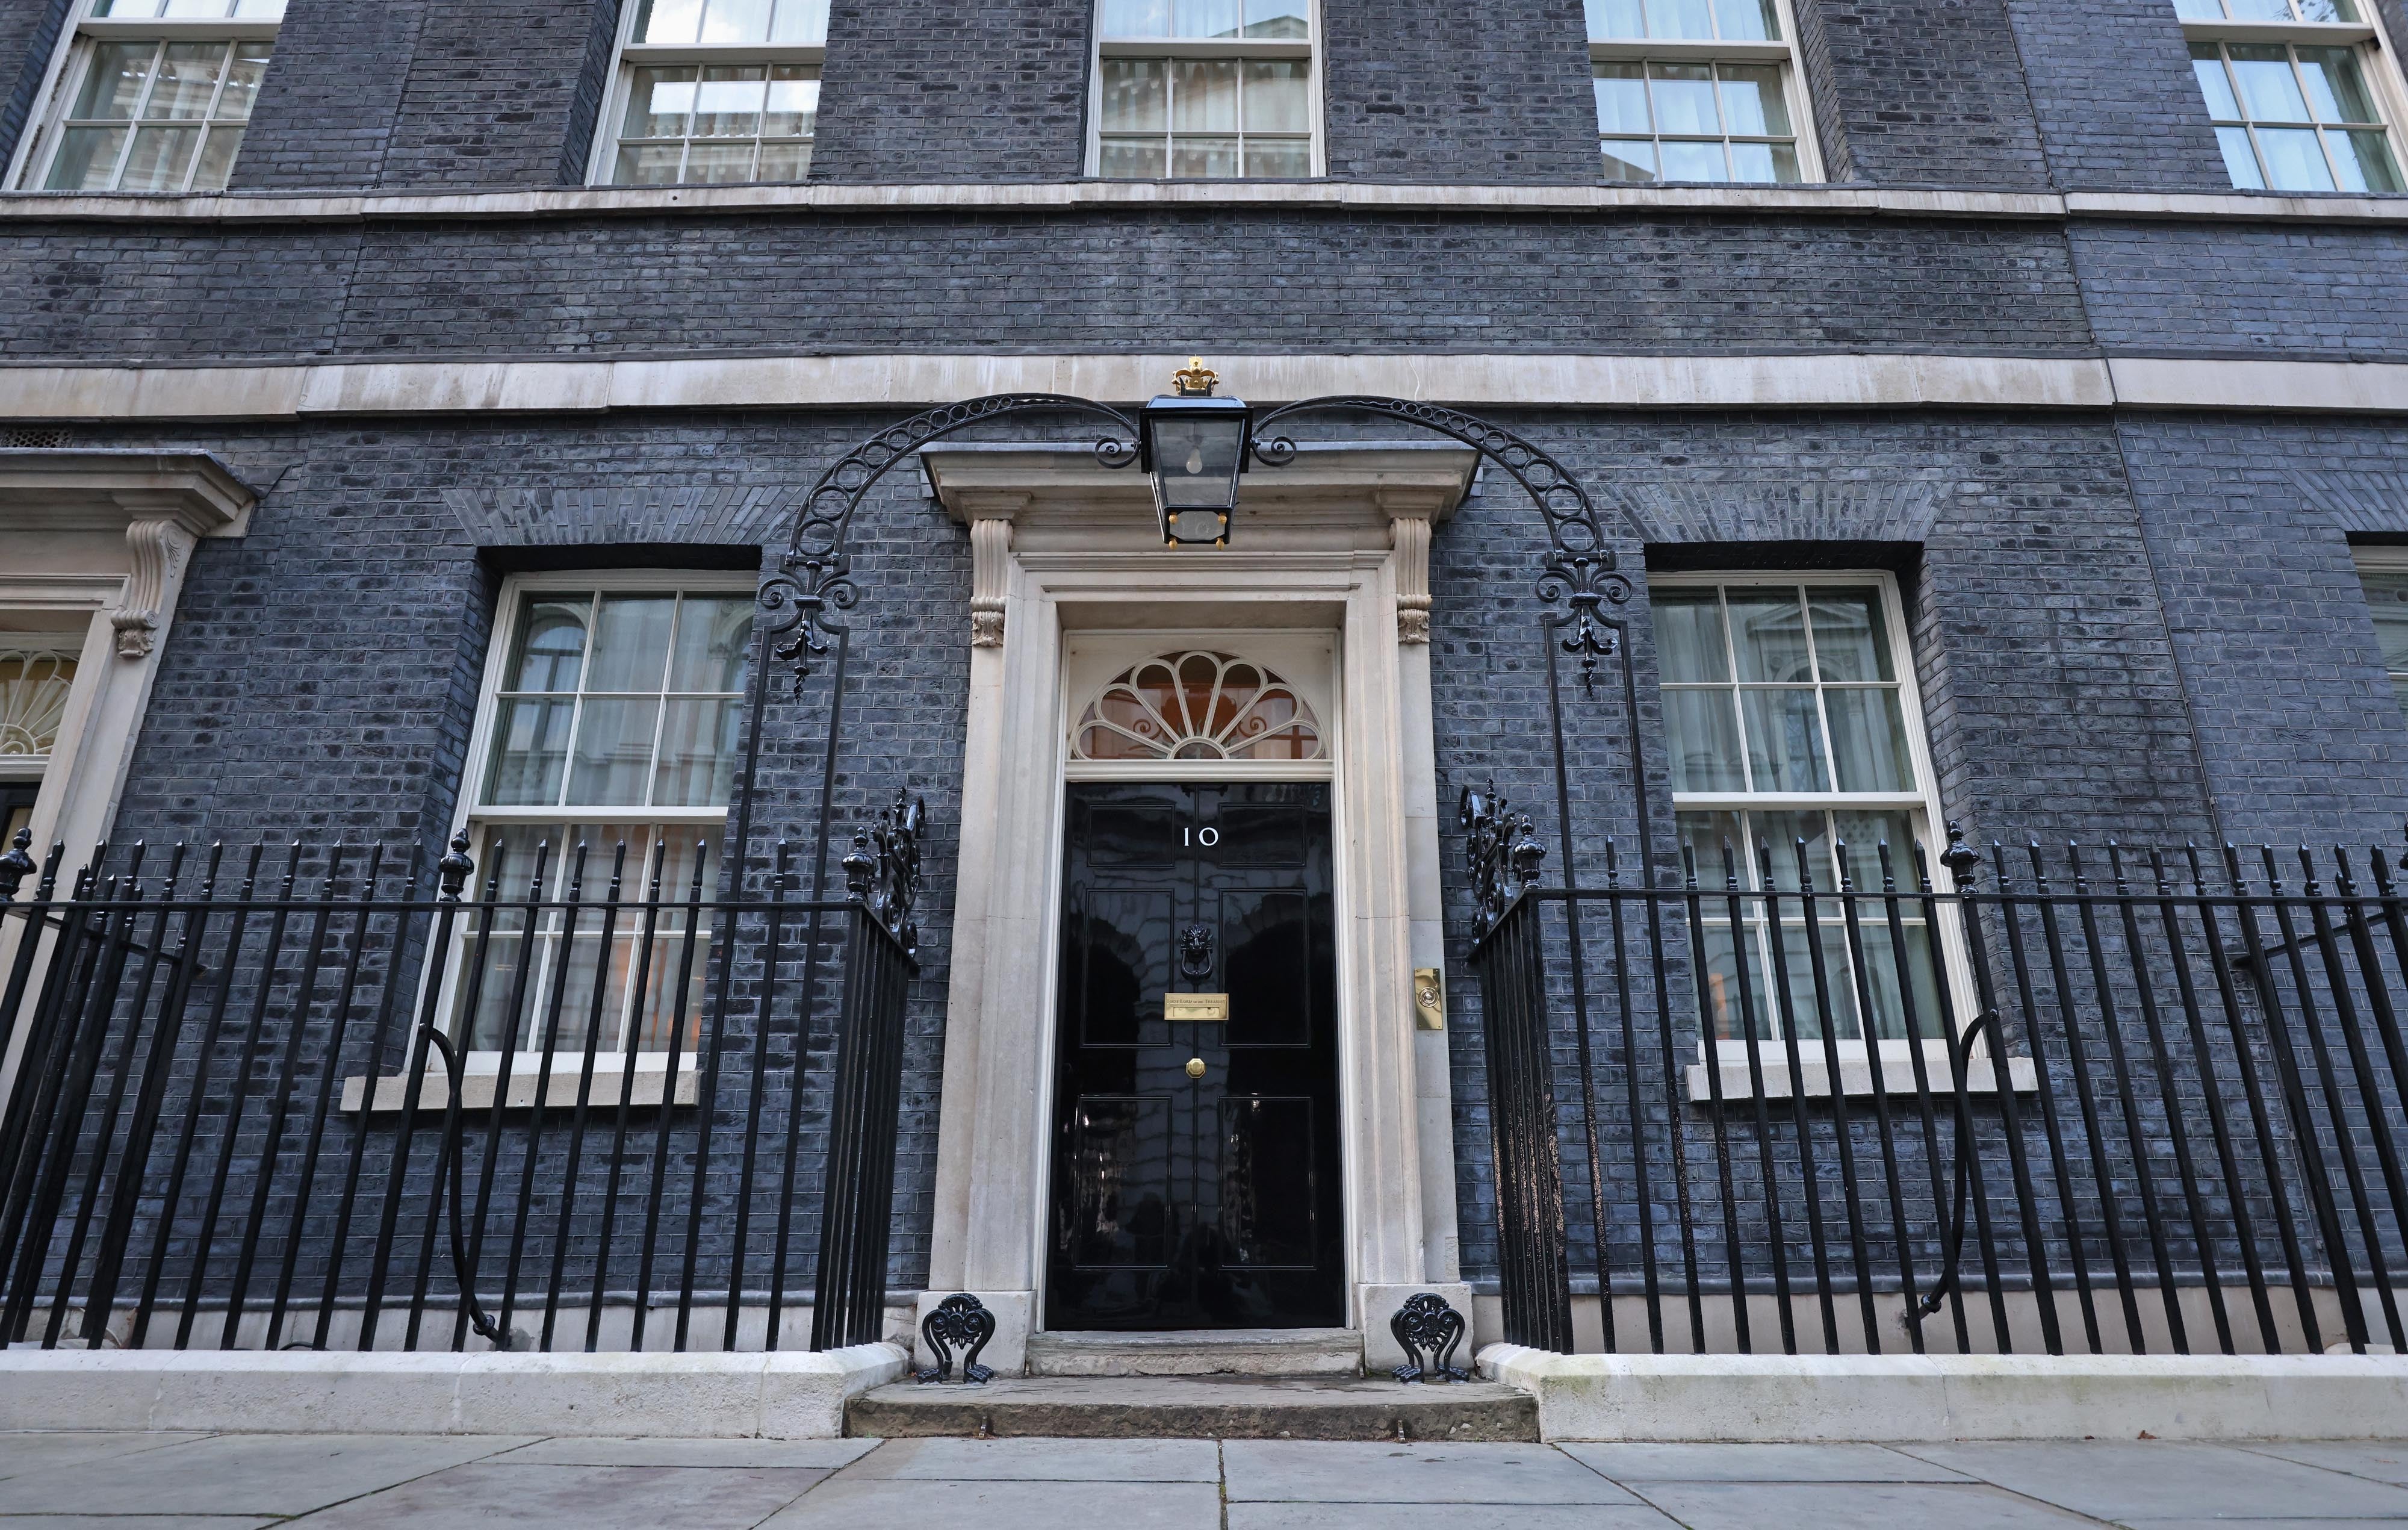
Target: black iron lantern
1195	446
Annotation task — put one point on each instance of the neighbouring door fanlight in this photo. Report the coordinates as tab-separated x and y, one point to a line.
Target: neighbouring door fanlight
1194	445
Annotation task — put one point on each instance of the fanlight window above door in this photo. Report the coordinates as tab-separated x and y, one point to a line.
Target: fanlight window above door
34	685
1197	705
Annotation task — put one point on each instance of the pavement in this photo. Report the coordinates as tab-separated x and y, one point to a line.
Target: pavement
153	1482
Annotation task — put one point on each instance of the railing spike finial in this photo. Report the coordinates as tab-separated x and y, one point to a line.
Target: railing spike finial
17	864
455	867
1963	862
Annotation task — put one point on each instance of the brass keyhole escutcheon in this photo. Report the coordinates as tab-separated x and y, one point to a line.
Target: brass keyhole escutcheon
1194	1067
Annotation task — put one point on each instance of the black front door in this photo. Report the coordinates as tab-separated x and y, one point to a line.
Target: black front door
1195	1160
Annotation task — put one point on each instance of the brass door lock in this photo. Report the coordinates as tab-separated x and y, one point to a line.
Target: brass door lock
1194	1067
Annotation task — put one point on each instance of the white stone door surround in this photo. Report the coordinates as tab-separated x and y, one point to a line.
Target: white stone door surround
1335	543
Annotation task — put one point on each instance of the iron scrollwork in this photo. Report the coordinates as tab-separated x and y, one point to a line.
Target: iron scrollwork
881	871
960	1319
1578	575
1502	844
1426	1325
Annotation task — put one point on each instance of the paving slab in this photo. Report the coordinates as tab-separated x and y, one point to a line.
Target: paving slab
578	1498
925	1503
1638	1462
2118	1479
1295	1471
2384	1461
819	1454
1851	1506
245	1474
1044	1461
1448	1517
28	1451
135	1522
2188	1525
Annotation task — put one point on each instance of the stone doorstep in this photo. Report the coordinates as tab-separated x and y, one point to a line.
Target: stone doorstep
1241	1352
1198	1407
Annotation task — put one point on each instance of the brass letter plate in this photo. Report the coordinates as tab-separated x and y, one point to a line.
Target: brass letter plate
1195	1006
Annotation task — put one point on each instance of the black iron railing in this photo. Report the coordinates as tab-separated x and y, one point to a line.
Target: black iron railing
2111	1100
304	1097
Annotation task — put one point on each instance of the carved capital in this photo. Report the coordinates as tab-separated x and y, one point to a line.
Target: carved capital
157	548
1411	536
990	571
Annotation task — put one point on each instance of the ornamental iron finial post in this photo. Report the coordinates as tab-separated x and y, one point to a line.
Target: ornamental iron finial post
456	868
17	865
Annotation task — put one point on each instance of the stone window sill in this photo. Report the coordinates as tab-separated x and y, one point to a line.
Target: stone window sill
1856	1077
478	1089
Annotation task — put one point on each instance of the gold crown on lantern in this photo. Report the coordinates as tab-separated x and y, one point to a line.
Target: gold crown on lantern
1195	380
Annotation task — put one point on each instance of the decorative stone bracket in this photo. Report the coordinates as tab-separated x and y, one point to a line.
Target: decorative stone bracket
157	551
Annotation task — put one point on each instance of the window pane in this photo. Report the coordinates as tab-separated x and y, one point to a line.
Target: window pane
614	753
114	83
735	20
217	159
2268	86
1135	98
1714	840
668	21
2328	11
658	104
1785	740
783	161
1863	833
720	162
1621	98
1278	19
1276	98
2365	160
2335	88
631	642
648	163
1684	100
188	78
2293	160
1702	733
1136	19
1679	19
2240	160
243	81
1693	161
2199	11
1851	642
713	637
727	102
697	754
1204	18
1630	159
87	159
1279	159
2260	10
1203	96
794	102
2387	601
1868	739
1771	634
1131	159
1747	20
1751	100
1609	18
1782	834
800	21
1763	162
159	158
551	645
530	749
2208	66
126	10
262	9
1204	158
1690	637
1723	992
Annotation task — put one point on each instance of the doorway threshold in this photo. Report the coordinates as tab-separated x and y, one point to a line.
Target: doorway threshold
1198	1407
1202	1351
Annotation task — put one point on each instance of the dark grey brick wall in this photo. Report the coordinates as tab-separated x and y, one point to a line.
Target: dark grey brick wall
932	90
2111	88
1483	91
326	111
2248	525
1920	92
501	94
2218	290
1595	283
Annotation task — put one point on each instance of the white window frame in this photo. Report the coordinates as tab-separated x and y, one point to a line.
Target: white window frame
1948	930
628	56
1702	50
2376	61
30	166
1308	49
708	822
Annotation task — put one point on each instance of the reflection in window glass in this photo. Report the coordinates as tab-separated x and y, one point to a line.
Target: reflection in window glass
2290	117
2386	601
718	122
1678	120
164	115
